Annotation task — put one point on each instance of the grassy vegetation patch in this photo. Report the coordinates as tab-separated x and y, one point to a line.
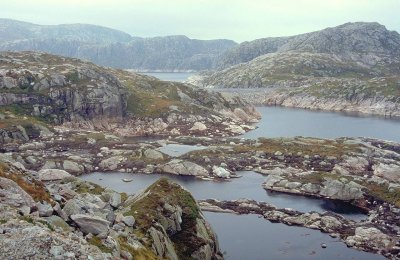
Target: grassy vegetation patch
150	208
161	192
382	192
139	254
95	241
310	147
92	188
34	188
318	177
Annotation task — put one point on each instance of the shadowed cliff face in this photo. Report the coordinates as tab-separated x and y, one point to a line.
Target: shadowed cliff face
60	90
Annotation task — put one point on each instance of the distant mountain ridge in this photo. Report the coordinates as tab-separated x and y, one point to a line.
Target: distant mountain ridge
111	47
14	31
346	39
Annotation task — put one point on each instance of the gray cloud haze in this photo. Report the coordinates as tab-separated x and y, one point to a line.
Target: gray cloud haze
207	19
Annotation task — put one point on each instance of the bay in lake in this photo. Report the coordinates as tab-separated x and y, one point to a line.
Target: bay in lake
290	122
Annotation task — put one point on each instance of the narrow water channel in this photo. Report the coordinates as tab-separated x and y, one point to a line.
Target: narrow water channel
248	186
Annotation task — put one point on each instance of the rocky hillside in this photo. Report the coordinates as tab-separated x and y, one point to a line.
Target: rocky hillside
170	53
51	214
111	47
352	67
39	89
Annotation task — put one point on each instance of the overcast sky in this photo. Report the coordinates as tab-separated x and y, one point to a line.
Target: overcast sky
239	20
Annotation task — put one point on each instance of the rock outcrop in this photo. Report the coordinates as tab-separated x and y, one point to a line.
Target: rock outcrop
68	218
43	90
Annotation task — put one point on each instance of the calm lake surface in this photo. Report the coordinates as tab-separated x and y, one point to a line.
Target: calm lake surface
250	237
175	150
289	122
170	76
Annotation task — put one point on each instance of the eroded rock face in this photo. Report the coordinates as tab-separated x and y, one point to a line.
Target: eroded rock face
174	223
13	195
104	96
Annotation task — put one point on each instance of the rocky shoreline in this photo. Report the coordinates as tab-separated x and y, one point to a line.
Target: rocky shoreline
362	172
365	235
297	99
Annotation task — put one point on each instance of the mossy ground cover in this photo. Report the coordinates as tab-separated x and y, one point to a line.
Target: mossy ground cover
139	254
148	209
323	148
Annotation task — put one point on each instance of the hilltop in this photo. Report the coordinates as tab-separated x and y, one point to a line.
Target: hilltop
354	67
42	90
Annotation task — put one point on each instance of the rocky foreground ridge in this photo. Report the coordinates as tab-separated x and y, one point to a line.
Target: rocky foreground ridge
361	172
351	67
52	215
39	91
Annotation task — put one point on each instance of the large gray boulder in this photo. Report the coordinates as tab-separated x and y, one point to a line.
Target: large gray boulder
13	195
73	167
53	174
91	224
181	167
390	172
86	203
221	172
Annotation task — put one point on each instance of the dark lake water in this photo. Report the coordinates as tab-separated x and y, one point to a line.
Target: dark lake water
248	186
289	122
170	76
250	237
